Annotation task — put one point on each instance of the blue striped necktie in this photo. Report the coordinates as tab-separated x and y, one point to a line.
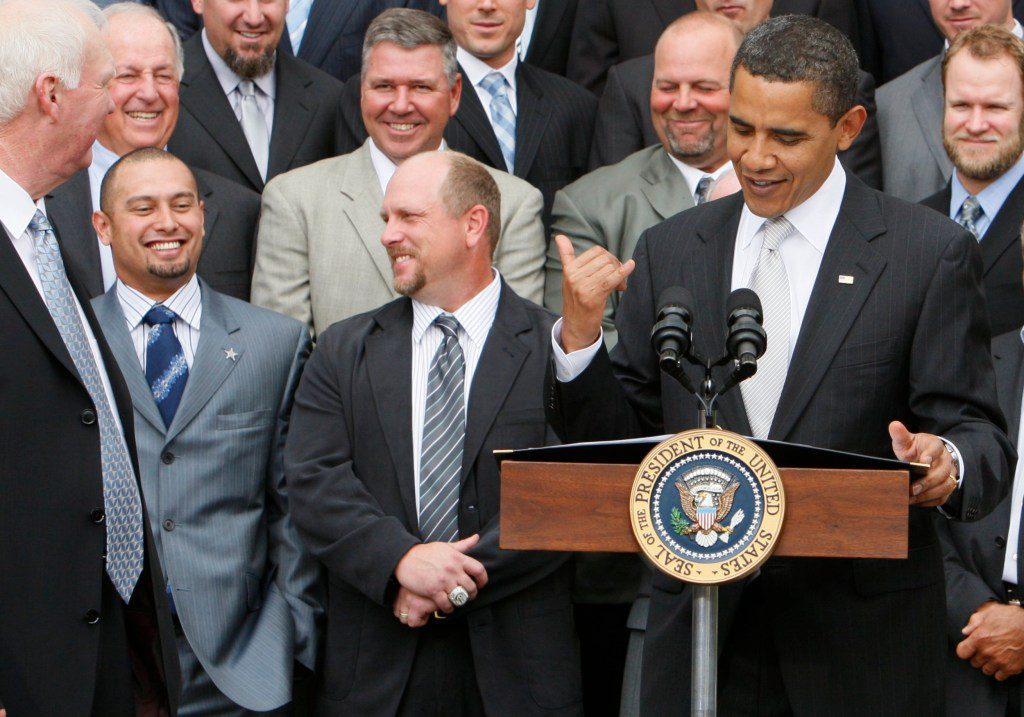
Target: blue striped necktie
503	119
444	433
121	504
166	370
296	21
969	214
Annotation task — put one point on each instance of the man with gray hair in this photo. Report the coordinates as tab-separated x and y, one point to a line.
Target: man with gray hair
148	65
318	255
84	626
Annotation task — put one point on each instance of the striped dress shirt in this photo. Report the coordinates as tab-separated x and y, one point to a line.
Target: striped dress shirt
186	302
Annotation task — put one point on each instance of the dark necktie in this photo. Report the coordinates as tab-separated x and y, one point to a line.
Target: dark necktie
703	189
166	370
969	214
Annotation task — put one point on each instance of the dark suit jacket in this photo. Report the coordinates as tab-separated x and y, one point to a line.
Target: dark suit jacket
208	136
624	121
974	554
908	340
333	38
1001	258
552	32
610	31
180	14
349	465
52	533
232	212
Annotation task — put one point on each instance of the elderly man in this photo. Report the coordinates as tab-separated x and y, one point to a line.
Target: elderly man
910	108
251	111
394	486
148	63
883	362
84	627
318	256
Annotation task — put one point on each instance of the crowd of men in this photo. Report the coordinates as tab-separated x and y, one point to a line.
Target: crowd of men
277	278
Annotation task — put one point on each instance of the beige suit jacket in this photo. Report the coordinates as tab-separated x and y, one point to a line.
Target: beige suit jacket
319	256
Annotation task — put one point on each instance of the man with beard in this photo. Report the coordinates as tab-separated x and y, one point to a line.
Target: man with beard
983	73
250	112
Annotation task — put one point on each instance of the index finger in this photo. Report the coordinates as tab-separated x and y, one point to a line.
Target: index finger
566	251
476	570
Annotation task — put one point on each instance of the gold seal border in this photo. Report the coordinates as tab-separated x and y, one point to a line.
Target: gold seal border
673	449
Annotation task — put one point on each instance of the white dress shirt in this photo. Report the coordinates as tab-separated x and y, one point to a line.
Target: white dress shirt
693	175
102	160
523	41
16	212
266	85
186	302
475	318
1016	504
476	70
384	167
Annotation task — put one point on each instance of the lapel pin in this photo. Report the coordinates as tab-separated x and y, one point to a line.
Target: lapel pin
231	354
845	279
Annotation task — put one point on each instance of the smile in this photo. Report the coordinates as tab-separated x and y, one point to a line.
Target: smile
401	127
165	245
143	115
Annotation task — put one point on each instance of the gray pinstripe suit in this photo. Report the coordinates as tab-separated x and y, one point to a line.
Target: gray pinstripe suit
247	594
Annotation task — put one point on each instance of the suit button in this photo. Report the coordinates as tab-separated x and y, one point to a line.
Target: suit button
167	458
91	617
168	524
471	508
88	416
96	516
1000	541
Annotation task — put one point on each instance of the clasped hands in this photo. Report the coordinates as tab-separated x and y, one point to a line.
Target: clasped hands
428	572
994	640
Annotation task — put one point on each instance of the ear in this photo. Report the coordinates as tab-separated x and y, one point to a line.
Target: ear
475	221
456	90
197	7
101	223
48	93
202	216
850	125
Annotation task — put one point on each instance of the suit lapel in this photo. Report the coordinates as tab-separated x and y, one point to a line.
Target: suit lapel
532	117
500	362
361	187
664	186
833	307
669	10
389	365
1003	234
294	107
549	19
206	101
210	212
69	206
473	119
115	330
928	111
327	21
219	334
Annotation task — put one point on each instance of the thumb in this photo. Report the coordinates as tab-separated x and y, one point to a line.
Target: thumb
566	251
902	441
466	544
624	271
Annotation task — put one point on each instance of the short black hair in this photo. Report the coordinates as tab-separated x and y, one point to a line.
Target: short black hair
798	48
136	156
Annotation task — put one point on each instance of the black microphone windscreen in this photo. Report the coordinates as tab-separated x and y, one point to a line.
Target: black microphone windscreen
742	299
675	296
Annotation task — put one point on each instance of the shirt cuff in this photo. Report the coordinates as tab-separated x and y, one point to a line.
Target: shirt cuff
960	471
569	366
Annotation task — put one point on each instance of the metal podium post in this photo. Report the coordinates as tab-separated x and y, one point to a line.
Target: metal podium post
704	670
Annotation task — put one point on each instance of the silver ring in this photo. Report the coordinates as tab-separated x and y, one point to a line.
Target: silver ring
458	596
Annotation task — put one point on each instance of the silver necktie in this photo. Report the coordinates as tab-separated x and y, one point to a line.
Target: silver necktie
254	126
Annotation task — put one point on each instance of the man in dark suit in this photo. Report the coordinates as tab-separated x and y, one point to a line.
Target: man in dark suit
84	627
147	59
624	125
249	111
514	116
394	487
329	34
608	32
878	346
548	46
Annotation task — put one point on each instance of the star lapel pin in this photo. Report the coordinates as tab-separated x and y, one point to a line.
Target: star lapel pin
231	354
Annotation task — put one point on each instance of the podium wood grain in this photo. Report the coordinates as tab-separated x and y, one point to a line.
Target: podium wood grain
584	507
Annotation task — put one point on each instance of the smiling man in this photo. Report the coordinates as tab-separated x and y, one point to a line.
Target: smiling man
890	358
318	256
148	66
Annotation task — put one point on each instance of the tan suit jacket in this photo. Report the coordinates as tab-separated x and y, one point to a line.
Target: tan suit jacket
319	256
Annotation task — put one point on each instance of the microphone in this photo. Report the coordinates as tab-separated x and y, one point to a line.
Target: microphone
747	341
672	333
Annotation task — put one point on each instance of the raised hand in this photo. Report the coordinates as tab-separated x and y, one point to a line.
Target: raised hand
587	282
941	480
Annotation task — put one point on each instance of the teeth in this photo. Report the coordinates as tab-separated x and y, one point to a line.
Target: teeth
143	115
761	183
401	127
250	35
164	245
402	258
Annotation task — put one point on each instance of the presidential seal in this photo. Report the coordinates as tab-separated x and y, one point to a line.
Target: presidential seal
707	506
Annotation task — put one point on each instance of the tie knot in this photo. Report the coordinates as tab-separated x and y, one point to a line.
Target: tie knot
448	324
703	188
247	89
40	223
159	314
775	230
971	209
494	83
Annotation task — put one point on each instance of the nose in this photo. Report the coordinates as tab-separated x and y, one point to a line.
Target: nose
977	122
758	156
684	100
400	104
252	13
147	88
390	235
165	219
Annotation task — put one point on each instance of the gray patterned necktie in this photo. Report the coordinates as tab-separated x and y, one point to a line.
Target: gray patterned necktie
444	433
703	189
770	282
122	507
254	125
969	214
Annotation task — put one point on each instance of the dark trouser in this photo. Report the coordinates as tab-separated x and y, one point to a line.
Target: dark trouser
443	680
603	640
115	685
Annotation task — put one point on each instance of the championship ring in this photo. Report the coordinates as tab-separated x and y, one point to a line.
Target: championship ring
707	506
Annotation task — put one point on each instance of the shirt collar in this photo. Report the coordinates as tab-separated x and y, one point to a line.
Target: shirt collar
16	206
693	175
476	69
475	316
102	159
182	302
384	167
816	216
992	197
1016	30
229	80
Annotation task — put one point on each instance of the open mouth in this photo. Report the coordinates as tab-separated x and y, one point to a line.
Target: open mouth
402	126
143	116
